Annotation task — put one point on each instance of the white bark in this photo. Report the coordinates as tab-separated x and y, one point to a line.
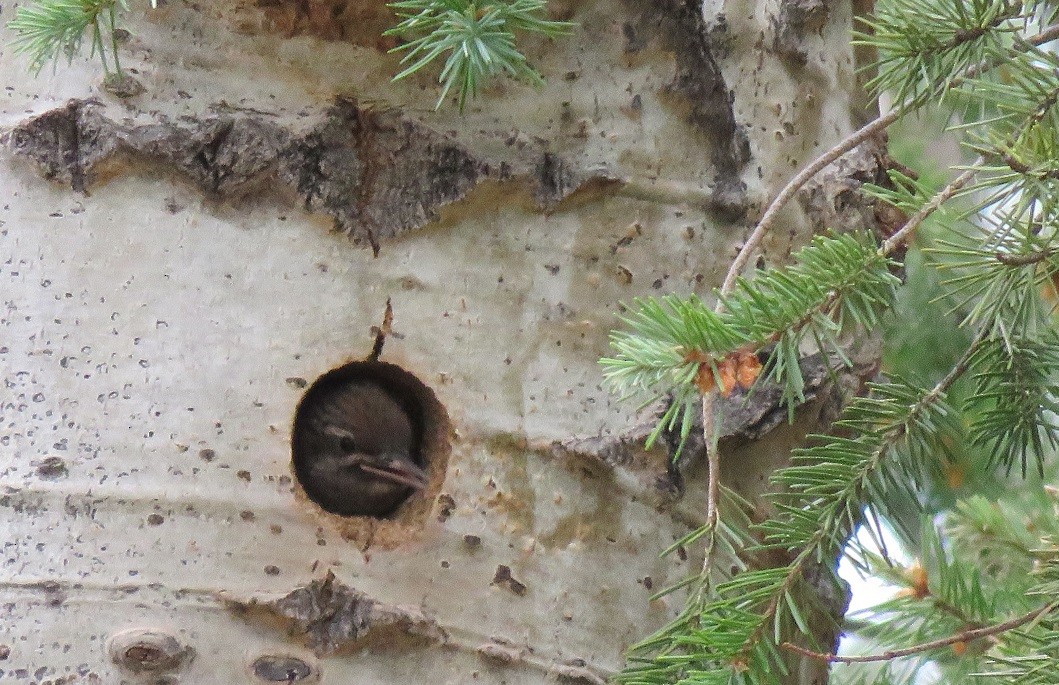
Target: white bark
152	336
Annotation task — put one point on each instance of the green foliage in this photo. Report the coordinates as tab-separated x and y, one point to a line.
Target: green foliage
475	38
998	270
46	30
836	282
924	46
1014	396
1019	142
654	361
736	635
975	319
896	425
904	192
991	562
1029	657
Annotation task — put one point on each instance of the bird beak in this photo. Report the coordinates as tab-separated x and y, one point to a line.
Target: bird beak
400	470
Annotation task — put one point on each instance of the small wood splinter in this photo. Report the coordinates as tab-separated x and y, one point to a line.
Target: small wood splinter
381	332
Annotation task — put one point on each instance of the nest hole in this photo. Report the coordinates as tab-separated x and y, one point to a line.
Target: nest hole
370	442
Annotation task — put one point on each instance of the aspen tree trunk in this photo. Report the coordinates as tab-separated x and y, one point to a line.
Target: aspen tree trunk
178	265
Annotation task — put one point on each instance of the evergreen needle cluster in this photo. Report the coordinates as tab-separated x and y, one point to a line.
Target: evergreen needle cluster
997	266
46	30
475	38
836	282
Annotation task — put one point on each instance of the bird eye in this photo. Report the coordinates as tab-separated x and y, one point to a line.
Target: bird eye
347	445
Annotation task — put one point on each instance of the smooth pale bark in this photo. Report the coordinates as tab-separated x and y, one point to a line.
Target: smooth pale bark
204	249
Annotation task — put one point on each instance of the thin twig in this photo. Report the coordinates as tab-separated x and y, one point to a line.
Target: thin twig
1046	36
793	186
965	636
713	461
713	486
1024	259
943	196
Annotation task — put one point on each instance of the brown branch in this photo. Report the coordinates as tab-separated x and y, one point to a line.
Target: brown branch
1015	164
713	492
793	186
964	636
1020	167
713	460
1024	259
961	36
1046	36
944	195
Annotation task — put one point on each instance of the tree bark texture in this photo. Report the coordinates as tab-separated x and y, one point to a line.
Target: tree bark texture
177	266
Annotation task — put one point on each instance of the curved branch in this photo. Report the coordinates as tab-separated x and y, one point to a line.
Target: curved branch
793	186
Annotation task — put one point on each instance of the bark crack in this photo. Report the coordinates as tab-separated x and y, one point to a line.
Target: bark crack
679	26
374	171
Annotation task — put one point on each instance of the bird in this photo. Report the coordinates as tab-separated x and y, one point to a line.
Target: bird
355	448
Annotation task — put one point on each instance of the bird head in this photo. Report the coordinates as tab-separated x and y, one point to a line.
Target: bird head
361	452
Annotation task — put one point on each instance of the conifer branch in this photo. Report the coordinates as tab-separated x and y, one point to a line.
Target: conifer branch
964	637
46	29
753	604
942	196
476	40
840	512
896	426
679	346
872	128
